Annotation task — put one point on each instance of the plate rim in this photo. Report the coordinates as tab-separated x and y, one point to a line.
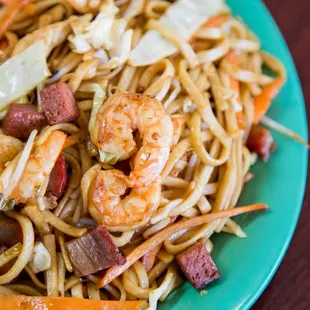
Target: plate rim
295	84
299	205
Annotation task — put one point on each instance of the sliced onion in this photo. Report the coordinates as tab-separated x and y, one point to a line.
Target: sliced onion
272	124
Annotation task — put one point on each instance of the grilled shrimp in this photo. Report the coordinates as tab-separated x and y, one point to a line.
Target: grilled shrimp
116	122
10	147
107	206
52	35
37	169
86	6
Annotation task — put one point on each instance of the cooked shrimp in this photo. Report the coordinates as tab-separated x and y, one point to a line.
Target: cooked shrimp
38	167
52	35
10	147
107	206
178	122
85	6
116	122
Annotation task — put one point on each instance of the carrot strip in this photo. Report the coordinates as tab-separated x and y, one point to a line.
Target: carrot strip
216	21
29	9
161	236
3	44
232	59
235	85
11	7
9	302
262	102
240	120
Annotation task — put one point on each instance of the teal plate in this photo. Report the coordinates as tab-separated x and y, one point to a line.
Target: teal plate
247	265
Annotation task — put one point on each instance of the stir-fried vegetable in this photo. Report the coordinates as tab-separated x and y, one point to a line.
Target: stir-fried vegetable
183	17
271	124
9	302
8	12
262	102
232	59
105	32
216	21
97	103
15	80
52	36
41	259
163	235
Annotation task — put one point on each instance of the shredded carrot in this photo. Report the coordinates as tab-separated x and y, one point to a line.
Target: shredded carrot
216	21
234	85
240	120
262	102
3	44
29	8
9	302
163	235
11	7
232	59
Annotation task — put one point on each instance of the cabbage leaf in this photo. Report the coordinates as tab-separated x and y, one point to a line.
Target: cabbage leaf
22	73
183	17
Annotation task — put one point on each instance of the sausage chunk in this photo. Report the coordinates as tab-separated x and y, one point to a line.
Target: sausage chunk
59	177
59	104
10	231
93	252
21	119
261	142
197	265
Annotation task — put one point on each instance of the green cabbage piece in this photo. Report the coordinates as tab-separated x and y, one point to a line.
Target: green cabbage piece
22	73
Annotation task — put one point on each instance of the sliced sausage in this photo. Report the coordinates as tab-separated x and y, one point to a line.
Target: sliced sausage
261	142
59	104
21	119
10	231
58	177
197	265
93	252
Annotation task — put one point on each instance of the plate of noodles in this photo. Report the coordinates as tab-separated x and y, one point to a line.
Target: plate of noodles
153	153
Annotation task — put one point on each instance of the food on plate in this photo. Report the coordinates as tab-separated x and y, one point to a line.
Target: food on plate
9	302
104	253
197	265
59	104
261	142
21	119
128	132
